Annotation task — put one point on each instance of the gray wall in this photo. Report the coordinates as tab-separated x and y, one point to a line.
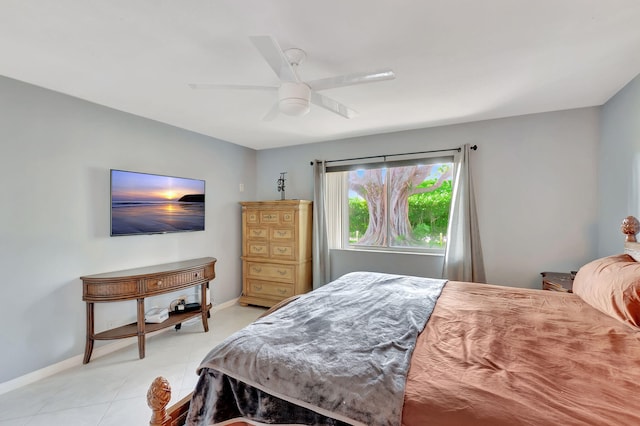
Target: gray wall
54	220
619	153
536	190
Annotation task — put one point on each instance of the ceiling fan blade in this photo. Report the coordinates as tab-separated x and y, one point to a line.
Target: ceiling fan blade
230	86
352	79
275	57
272	113
332	105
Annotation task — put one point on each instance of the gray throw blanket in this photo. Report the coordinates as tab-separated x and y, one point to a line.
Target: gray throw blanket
341	352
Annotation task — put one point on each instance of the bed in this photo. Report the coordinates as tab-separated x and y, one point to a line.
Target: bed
455	353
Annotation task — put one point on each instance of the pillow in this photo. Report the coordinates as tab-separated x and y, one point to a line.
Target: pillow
612	285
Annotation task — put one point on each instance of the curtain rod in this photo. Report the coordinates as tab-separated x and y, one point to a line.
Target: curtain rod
474	147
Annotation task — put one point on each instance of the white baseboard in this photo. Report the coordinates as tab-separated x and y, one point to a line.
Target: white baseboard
75	361
226	304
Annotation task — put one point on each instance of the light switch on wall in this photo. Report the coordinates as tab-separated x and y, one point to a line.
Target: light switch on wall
242	187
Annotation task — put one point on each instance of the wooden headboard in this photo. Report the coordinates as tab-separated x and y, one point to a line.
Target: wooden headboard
630	227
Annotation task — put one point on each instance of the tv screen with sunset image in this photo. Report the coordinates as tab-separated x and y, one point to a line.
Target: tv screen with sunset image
143	203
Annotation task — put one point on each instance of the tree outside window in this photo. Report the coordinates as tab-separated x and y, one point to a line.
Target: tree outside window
406	207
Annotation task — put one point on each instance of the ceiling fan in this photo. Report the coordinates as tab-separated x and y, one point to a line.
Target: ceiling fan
295	95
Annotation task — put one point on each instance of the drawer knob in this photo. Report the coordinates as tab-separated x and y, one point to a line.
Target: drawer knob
258	287
282	291
281	272
258	270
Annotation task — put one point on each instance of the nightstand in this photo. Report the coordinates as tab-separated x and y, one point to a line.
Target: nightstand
557	281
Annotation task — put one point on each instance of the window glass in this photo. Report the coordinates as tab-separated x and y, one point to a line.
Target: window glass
403	207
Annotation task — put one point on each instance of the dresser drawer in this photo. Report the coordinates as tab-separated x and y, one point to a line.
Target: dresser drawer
283	251
257	248
256	233
252	216
288	217
270	217
179	280
282	234
271	272
265	288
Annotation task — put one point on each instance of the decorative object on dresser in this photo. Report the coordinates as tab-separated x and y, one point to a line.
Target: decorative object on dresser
276	250
140	283
558	281
281	182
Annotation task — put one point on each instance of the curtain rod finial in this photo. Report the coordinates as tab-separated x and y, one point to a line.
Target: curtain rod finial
475	147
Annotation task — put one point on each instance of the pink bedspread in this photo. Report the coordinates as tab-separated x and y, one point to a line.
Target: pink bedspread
495	356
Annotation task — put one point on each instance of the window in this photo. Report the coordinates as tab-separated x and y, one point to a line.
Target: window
401	206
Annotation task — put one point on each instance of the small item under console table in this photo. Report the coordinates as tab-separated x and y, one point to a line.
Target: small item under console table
140	283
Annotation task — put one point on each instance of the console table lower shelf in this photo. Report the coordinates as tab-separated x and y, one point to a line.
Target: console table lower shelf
140	283
131	330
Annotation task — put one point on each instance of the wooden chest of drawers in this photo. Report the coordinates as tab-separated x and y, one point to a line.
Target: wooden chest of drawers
276	250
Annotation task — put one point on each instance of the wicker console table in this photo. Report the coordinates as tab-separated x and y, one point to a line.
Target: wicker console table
140	283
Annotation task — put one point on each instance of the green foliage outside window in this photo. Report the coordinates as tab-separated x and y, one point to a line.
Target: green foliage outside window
358	218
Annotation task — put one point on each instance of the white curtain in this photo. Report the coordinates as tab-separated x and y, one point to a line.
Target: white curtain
320	256
463	255
336	208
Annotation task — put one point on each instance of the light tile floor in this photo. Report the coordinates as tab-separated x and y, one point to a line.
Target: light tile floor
111	390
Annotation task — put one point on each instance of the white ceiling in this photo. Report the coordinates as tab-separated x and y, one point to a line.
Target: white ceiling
455	60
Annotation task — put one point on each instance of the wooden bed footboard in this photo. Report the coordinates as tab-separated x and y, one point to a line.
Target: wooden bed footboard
159	393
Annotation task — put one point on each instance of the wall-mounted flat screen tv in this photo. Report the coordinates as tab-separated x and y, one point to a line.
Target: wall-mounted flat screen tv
143	203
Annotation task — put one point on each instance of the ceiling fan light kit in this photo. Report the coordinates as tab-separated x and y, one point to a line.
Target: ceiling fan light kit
294	95
294	99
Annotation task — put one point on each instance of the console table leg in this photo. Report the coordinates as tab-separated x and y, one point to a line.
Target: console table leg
88	348
141	328
204	307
